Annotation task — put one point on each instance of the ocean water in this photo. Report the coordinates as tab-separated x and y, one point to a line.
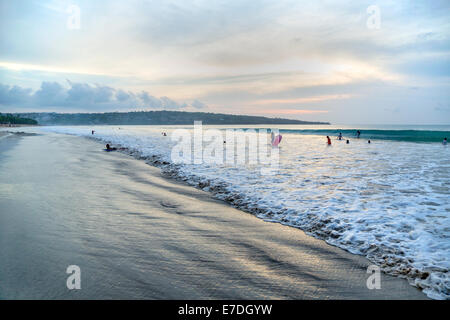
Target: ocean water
388	200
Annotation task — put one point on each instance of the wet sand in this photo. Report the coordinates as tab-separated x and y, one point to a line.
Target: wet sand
137	235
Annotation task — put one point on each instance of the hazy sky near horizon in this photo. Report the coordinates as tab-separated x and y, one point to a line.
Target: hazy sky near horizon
313	60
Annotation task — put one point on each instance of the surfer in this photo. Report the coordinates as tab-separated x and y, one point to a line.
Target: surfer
444	142
328	141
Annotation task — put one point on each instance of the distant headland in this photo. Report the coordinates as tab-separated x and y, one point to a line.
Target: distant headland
154	118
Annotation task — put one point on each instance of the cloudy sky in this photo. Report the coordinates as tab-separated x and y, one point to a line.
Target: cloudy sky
339	61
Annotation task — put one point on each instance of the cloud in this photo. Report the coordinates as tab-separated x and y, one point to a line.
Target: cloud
86	97
302	100
294	111
198	104
15	94
50	94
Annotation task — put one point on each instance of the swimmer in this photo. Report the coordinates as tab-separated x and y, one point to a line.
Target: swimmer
358	133
444	142
368	141
328	141
92	132
340	136
348	141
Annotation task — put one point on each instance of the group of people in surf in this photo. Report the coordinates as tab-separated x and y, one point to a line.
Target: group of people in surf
276	139
339	137
358	133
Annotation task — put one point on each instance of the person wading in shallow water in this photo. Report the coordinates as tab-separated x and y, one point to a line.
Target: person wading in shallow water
328	141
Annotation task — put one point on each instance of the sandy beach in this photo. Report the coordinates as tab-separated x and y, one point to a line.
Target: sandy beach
138	235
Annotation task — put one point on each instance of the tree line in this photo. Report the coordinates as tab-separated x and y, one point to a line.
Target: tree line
154	118
9	118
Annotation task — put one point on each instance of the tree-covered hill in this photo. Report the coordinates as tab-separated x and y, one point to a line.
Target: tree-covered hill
153	117
11	119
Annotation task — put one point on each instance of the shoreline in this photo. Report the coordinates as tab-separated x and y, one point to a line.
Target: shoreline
173	241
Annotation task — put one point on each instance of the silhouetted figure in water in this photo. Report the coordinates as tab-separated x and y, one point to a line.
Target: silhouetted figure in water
358	133
348	141
328	141
368	141
444	142
93	132
108	148
340	136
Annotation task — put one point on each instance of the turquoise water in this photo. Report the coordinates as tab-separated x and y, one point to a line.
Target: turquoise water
378	134
410	133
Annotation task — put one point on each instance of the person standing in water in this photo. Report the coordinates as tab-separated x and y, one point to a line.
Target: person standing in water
358	133
348	141
93	132
340	136
444	142
368	141
328	141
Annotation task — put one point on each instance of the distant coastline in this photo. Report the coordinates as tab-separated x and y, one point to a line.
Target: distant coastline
155	118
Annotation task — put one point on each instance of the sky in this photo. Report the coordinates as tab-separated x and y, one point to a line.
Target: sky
347	62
